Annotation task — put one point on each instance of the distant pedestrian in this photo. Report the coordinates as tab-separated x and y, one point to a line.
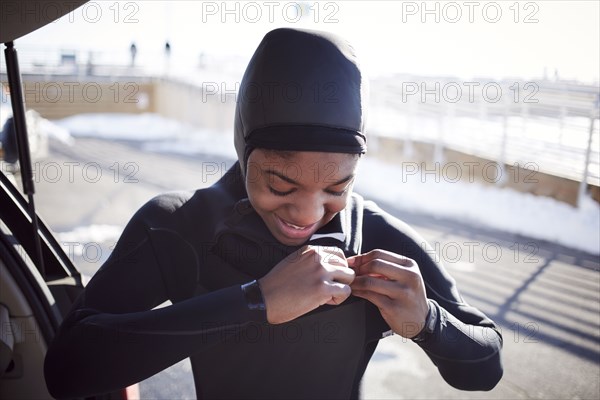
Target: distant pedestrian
167	50
133	51
167	65
89	66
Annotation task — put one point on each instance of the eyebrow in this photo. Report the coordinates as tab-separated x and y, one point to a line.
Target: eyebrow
293	182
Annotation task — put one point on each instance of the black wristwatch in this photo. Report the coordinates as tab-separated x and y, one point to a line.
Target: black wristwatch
253	295
430	322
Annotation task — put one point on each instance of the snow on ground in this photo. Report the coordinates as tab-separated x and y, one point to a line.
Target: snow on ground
503	209
57	132
73	241
196	143
122	126
92	233
159	134
498	208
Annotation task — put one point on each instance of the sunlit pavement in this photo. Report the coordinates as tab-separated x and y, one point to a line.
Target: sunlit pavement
546	298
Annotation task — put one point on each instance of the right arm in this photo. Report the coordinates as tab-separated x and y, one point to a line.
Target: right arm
112	338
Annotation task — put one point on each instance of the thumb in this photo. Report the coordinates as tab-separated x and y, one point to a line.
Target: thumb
339	292
353	261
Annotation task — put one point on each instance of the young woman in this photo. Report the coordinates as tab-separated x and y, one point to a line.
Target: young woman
282	279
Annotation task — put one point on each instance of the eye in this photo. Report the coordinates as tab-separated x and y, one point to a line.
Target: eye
278	193
338	193
334	193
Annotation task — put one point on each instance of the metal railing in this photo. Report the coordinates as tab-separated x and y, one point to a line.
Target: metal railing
550	124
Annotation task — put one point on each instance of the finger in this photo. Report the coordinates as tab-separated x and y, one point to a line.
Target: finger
353	261
378	276
327	250
327	254
357	261
335	260
391	289
333	250
342	274
389	269
333	255
336	293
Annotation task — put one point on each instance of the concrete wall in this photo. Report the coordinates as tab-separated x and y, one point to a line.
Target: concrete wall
457	166
60	98
180	101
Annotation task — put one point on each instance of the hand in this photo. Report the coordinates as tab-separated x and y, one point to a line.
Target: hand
395	285
305	280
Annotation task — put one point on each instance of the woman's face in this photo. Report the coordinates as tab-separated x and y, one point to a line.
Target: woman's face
296	193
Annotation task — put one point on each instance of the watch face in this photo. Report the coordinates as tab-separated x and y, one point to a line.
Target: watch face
253	294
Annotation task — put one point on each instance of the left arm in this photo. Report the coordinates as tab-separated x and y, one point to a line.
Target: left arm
406	284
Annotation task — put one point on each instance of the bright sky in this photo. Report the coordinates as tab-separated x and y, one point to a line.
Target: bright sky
467	39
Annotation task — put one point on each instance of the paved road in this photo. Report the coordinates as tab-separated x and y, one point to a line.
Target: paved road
545	297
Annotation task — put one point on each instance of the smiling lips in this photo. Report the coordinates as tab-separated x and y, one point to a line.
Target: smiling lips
295	231
294	226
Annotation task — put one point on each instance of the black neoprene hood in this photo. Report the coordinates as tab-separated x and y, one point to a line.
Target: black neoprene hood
302	91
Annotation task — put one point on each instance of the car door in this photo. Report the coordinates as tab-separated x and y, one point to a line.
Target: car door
29	310
38	282
32	302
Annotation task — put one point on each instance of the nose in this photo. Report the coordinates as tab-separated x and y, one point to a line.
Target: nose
307	211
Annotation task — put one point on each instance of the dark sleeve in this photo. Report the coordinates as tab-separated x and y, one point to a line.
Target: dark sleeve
113	337
465	345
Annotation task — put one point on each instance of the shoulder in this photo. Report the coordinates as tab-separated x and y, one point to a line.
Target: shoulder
186	211
167	203
184	206
388	231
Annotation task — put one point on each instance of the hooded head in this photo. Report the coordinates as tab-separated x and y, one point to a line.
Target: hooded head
302	91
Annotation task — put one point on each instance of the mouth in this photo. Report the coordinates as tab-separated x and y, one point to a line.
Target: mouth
294	231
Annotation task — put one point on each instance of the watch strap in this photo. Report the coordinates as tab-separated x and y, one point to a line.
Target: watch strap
253	296
430	323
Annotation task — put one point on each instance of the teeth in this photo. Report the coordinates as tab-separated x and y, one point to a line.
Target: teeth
294	226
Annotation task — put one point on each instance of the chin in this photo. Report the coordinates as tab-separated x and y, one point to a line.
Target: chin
290	241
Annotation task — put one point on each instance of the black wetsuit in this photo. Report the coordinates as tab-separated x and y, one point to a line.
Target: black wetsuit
196	249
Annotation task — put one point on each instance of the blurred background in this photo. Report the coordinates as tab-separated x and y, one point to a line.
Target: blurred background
483	135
